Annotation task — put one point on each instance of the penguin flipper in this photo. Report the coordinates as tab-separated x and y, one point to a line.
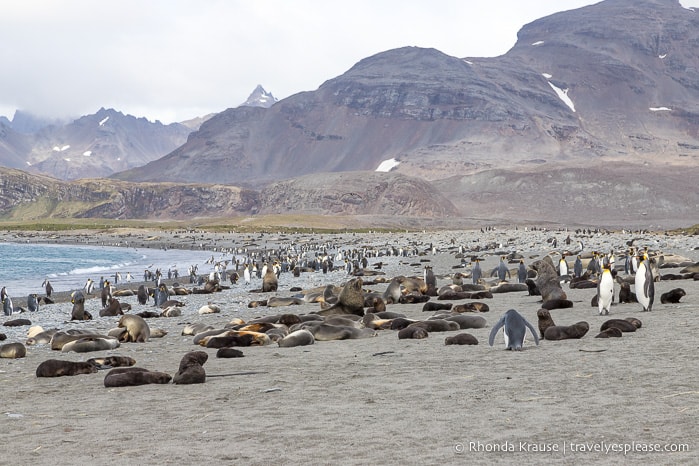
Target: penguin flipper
495	329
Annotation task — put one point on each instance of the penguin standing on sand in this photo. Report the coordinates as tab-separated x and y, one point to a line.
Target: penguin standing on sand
521	272
562	266
577	267
47	286
501	270
476	272
246	274
32	302
645	288
7	306
605	290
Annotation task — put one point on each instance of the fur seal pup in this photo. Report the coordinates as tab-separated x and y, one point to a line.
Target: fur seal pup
645	288
90	343
545	320
171	311
110	362
562	332
350	301
673	296
301	337
191	368
414	333
621	324
276	301
133	376
229	353
13	351
611	332
437	325
557	304
461	339
625	293
17	323
471	307
514	329
209	308
137	329
3	337
77	298
60	368
400	323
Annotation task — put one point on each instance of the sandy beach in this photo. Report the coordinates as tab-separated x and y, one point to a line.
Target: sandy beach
380	399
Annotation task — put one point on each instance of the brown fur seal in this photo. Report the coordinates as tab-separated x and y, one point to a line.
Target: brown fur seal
228	339
59	339
60	368
547	280
191	368
430	307
415	333
506	287
350	301
545	320
400	323
611	332
471	307
133	376
325	332
137	330
229	353
109	362
269	281
436	325
623	325
13	351
276	301
198	327
625	293
672	296
562	332
467	321
300	337
557	304
17	323
78	312
637	323
113	308
461	339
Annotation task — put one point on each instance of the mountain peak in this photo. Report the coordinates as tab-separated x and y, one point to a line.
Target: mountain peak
260	98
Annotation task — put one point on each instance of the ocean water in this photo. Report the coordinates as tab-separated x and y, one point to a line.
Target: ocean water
24	267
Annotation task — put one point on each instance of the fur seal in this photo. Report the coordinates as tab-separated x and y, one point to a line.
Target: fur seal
637	323
60	368
133	376
350	301
228	339
110	362
276	301
142	294
673	296
301	337
13	351
198	327
548	280
506	287
514	329
611	332
461	339
621	324
392	293
325	332
545	320
562	332
557	304
113	308
467	321
269	281
415	333
209	308
90	343
77	298
229	353
191	368
437	325
471	307
137	329
625	293
17	323
59	339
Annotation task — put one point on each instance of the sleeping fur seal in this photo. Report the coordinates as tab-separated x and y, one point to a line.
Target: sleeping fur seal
91	343
415	333
133	376
301	337
59	368
562	332
461	339
13	351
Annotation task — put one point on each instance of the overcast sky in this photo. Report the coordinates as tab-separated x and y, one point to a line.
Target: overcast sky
172	60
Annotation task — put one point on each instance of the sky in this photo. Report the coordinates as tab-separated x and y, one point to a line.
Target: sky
173	60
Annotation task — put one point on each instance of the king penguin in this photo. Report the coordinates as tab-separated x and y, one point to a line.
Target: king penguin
476	272
514	329
32	302
522	272
605	290
645	288
7	306
562	266
577	267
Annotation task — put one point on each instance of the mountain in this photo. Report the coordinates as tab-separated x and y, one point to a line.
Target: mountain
26	123
92	146
260	98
